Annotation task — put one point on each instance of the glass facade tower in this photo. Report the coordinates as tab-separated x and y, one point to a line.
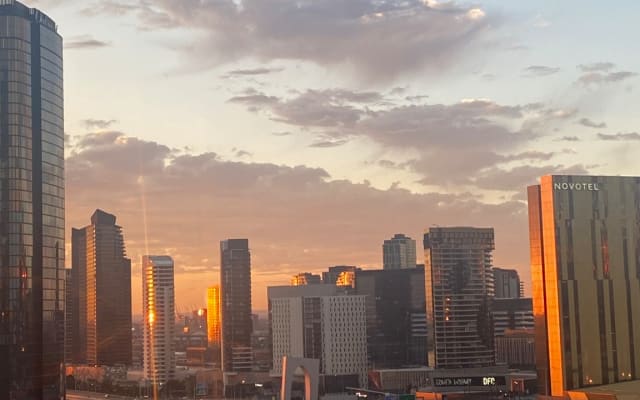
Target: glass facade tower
31	205
585	263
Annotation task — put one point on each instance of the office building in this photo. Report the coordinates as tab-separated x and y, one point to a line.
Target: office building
158	311
516	348
514	314
459	289
507	284
317	322
585	239
305	278
213	321
235	305
341	275
399	252
396	319
68	316
32	241
101	293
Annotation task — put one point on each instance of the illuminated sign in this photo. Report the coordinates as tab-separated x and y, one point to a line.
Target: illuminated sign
589	187
470	381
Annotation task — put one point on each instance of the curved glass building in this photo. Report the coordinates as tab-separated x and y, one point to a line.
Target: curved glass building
31	205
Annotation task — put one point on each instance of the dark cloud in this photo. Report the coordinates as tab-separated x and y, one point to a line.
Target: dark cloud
91	123
252	71
409	35
596	67
84	43
619	136
182	205
591	124
535	71
328	143
569	139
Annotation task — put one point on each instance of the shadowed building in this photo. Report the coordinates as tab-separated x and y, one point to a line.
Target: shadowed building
32	240
101	278
585	244
507	284
459	289
399	252
235	295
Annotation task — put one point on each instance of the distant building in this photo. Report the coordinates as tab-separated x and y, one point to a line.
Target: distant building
513	314
101	293
459	289
317	322
341	275
68	316
396	319
213	321
235	295
507	284
584	234
516	348
158	310
305	278
399	252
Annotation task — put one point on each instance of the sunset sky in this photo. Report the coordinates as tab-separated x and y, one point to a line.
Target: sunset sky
317	129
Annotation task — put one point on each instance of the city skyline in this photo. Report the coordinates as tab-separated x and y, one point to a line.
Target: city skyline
585	125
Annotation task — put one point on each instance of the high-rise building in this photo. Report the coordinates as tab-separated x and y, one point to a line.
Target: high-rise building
585	239
32	241
396	319
399	252
513	314
213	321
507	284
235	295
158	311
459	289
305	278
101	284
68	316
318	321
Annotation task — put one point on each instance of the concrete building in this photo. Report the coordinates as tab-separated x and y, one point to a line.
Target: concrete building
507	284
32	234
396	319
399	252
459	290
511	314
585	239
158	311
101	293
305	278
235	305
516	348
315	321
214	321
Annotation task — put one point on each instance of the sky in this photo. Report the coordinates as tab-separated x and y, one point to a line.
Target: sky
318	129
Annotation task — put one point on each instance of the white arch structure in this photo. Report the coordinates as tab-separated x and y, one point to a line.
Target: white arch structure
311	368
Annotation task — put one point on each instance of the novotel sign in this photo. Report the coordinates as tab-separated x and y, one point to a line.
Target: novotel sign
589	187
470	381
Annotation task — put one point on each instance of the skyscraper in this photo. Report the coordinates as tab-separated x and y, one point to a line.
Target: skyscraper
320	321
213	320
399	252
31	205
158	312
459	288
507	283
101	278
585	241
235	294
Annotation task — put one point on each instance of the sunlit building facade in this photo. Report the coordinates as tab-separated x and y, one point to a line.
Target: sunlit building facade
213	320
305	278
459	290
235	305
158	311
32	240
585	245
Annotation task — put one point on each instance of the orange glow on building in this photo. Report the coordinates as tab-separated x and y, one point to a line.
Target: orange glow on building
213	316
346	278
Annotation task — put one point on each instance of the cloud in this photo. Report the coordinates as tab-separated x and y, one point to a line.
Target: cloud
596	67
409	36
619	136
603	78
85	42
569	139
109	7
590	124
328	143
182	205
514	178
535	71
252	72
91	123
